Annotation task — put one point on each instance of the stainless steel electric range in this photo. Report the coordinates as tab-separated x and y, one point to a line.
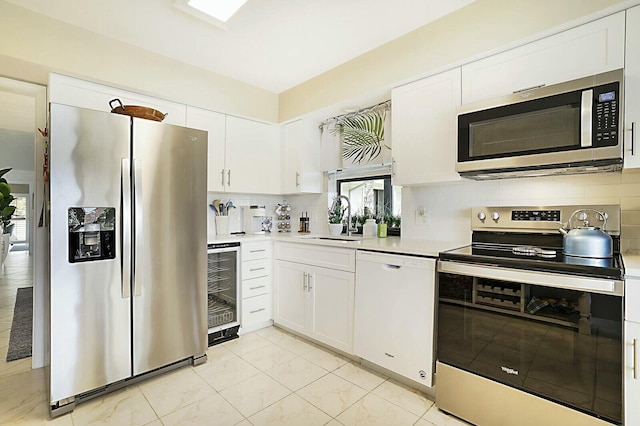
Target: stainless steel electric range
527	334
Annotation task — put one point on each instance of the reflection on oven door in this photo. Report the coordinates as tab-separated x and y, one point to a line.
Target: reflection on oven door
562	345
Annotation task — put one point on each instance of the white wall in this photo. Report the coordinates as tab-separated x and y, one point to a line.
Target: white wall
449	204
477	30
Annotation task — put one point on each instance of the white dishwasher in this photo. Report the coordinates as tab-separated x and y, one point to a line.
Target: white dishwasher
395	313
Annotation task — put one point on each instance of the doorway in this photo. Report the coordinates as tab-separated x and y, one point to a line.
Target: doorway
23	272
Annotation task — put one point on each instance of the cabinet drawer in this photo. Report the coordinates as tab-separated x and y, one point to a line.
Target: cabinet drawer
632	299
326	257
256	268
256	309
256	287
256	250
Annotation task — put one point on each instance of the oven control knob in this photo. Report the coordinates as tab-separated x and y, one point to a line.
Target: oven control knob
583	216
482	216
495	216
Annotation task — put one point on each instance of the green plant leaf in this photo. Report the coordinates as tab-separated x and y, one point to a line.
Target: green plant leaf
4	172
7	212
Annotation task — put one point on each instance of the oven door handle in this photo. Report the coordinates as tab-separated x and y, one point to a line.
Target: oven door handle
571	282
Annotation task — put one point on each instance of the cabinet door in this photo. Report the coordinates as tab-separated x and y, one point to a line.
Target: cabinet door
214	124
582	51
253	157
632	90
331	310
292	139
291	280
632	299
424	129
301	161
632	373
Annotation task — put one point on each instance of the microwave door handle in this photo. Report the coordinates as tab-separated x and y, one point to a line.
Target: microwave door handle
586	119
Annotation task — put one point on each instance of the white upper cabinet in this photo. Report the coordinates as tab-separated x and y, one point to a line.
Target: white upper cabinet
243	155
253	157
301	158
582	51
632	90
214	124
424	129
84	94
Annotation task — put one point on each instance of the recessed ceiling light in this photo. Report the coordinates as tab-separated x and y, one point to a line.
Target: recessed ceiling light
217	12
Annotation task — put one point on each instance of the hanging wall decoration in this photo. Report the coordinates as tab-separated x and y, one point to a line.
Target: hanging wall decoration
361	135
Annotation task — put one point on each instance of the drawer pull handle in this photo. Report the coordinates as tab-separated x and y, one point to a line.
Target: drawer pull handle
633	137
389	355
635	359
255	288
257	251
257	310
256	269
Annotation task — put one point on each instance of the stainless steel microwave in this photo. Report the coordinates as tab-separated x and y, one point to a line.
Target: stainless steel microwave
568	128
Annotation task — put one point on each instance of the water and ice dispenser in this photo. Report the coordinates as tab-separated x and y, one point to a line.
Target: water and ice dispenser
92	233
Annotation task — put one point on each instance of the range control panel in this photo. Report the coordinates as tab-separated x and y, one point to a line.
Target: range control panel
543	215
541	218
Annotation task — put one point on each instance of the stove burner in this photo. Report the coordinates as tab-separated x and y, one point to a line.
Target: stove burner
533	251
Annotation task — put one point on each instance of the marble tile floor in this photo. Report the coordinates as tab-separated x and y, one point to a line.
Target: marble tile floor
268	377
16	273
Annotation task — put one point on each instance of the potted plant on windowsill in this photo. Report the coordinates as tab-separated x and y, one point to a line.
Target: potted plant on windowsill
6	211
336	215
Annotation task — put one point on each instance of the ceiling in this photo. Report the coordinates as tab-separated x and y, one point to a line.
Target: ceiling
271	44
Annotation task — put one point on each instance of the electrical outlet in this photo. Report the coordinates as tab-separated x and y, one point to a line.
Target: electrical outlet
422	216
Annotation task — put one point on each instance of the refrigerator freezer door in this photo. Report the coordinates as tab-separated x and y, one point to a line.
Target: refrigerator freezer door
170	249
90	343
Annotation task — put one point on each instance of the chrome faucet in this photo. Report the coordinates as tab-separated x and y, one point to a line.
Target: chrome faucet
333	206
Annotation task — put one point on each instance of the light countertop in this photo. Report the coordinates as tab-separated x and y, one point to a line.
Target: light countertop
631	260
395	245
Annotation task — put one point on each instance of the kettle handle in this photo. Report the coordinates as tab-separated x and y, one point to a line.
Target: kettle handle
601	216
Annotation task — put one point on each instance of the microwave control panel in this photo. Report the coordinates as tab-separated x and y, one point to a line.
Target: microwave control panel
606	114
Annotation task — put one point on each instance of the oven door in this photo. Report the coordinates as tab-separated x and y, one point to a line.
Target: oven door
555	336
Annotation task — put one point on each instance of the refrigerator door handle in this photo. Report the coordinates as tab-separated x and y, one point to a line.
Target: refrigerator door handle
125	175
138	248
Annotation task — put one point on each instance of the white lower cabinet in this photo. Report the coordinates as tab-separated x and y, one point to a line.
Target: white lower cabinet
395	314
316	301
632	373
632	351
256	272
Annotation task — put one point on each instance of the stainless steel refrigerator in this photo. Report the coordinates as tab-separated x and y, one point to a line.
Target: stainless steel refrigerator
128	255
